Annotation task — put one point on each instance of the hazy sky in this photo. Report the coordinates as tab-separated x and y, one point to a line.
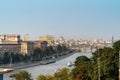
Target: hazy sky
70	18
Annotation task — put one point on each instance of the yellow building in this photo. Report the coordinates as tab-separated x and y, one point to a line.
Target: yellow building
48	38
25	37
27	47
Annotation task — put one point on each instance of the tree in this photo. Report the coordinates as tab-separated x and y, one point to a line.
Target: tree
80	73
63	74
85	62
50	51
6	58
81	60
116	50
108	60
26	58
16	58
116	46
59	49
37	54
108	63
45	77
23	75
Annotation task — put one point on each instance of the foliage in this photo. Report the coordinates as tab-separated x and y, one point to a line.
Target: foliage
59	49
43	77
37	54
116	51
109	58
81	59
85	62
50	50
6	58
116	46
25	58
63	74
87	68
80	73
16	58
23	75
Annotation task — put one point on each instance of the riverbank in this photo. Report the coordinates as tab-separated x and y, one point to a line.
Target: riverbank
37	63
49	69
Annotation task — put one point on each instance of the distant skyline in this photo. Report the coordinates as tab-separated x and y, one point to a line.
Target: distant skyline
87	19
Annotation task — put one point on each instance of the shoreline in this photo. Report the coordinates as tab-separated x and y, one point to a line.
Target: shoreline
32	64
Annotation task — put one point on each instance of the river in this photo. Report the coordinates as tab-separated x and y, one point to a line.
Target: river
48	69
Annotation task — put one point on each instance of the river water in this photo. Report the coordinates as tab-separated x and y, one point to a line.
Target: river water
48	69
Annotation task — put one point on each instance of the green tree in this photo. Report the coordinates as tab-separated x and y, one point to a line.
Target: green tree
63	74
6	58
59	48
85	62
26	58
116	50
64	48
108	63
50	51
41	77
16	58
80	73
81	60
37	54
45	77
23	75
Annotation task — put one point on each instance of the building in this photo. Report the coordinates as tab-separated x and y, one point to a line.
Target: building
27	47
12	48
43	45
48	38
9	43
37	44
9	39
25	37
13	43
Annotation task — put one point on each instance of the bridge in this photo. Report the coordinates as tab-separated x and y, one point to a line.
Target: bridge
83	48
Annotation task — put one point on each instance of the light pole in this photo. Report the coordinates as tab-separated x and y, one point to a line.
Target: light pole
98	64
98	61
10	58
119	65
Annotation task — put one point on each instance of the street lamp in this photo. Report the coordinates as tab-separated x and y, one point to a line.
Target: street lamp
10	58
98	64
119	64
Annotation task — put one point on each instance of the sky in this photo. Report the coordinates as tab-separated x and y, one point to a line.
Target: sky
68	18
